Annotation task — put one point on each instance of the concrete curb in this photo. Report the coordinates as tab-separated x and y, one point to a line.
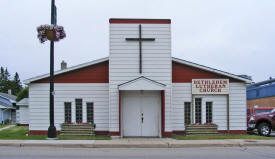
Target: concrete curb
135	144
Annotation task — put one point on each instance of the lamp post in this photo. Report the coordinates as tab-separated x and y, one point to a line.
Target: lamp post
53	33
52	129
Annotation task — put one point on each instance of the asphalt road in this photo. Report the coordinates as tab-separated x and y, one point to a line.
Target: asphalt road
133	153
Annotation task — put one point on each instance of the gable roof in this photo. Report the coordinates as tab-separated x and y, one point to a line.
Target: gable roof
216	71
23	102
10	97
141	83
181	61
28	81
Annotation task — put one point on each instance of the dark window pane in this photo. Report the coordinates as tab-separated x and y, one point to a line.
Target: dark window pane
90	113
261	110
68	112
209	112
187	113
198	110
78	110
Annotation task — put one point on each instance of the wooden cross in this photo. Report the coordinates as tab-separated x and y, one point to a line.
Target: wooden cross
140	39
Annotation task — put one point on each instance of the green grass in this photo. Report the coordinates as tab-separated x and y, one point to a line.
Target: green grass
221	137
20	133
3	125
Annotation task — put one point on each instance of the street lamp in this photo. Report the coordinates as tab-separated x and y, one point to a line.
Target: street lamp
53	33
52	129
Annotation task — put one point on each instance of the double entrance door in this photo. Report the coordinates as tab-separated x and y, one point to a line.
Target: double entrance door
141	113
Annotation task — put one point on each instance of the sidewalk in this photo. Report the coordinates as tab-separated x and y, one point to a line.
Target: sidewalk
137	143
7	127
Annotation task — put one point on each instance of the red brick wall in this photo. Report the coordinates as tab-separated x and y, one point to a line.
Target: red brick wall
262	102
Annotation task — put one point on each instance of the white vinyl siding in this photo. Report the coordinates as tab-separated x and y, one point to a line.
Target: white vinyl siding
237	99
68	92
23	114
124	62
237	102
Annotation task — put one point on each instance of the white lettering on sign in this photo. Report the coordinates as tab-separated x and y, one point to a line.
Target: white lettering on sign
210	86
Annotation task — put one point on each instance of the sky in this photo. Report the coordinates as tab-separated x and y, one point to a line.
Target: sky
237	36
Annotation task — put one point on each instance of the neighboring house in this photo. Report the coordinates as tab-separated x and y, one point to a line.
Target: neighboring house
7	108
22	112
261	94
140	90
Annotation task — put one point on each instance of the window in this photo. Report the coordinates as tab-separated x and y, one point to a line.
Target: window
78	110
256	111
90	113
209	112
198	110
68	112
187	113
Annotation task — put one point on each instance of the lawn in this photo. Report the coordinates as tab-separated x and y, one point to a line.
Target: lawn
221	137
3	125
21	133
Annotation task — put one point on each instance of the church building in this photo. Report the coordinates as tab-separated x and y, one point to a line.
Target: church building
140	90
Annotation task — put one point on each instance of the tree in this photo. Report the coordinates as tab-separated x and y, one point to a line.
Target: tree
16	84
1	78
24	93
6	75
7	84
2	73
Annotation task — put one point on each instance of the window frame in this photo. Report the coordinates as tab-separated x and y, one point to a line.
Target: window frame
92	113
211	112
65	112
199	114
78	117
187	104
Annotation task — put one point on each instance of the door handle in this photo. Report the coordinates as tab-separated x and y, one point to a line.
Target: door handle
142	118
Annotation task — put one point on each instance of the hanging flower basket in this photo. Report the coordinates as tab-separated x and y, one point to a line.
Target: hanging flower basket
50	32
51	35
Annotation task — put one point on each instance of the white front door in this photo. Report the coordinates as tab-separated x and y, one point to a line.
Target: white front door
141	113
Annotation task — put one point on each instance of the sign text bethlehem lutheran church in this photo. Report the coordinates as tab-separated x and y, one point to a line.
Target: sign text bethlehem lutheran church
210	86
139	90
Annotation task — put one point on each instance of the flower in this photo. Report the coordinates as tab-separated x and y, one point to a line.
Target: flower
43	29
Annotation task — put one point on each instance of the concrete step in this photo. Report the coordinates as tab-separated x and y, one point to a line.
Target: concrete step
202	132
77	128
77	134
71	131
200	127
